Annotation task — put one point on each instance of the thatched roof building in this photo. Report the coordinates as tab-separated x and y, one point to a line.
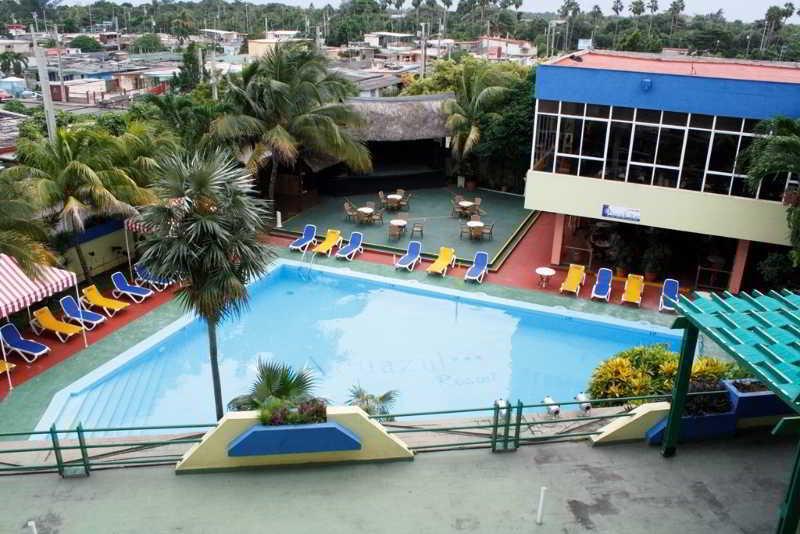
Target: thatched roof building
405	118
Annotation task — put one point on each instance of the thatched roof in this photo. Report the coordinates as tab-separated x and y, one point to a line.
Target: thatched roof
404	118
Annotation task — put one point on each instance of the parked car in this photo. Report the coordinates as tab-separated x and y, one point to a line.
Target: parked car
5	96
30	94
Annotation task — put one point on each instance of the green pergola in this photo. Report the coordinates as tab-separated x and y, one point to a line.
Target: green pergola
761	332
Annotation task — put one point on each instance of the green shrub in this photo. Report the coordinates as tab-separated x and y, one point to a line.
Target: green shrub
274	412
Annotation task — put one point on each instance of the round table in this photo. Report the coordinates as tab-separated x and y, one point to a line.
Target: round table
394	197
466	204
366	211
398	222
545	273
475	224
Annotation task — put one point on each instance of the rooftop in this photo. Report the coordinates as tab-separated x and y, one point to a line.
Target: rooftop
705	67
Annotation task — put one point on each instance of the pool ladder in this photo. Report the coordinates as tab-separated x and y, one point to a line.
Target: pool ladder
305	274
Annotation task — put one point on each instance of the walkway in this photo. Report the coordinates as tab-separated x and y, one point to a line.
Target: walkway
735	486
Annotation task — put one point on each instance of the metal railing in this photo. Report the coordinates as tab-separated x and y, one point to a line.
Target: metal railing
500	427
94	454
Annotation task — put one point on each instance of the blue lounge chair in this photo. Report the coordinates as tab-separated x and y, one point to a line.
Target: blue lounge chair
304	241
669	295
354	246
146	278
480	265
73	313
122	287
602	286
411	258
14	342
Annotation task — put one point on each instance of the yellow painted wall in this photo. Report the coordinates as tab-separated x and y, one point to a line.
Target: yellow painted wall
689	211
99	254
632	428
212	452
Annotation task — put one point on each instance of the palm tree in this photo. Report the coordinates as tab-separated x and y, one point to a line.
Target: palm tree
280	381
184	116
675	10
22	234
447	5
777	151
13	62
652	7
479	94
617	7
207	227
636	8
372	404
139	149
73	178
287	107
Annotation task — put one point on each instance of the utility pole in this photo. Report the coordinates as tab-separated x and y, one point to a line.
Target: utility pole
212	53
424	41
200	63
60	71
44	83
266	27
116	28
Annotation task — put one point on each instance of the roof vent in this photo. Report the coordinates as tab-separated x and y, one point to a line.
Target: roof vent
575	57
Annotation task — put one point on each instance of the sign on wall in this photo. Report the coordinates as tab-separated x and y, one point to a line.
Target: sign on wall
622	213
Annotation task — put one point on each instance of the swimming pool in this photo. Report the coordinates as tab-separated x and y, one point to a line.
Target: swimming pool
440	348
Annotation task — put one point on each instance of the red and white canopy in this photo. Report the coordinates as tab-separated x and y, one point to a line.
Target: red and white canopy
18	290
135	225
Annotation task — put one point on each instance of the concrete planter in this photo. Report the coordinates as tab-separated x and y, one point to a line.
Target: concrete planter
755	403
259	440
696	428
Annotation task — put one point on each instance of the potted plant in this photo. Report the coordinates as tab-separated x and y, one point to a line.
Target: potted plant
751	398
705	416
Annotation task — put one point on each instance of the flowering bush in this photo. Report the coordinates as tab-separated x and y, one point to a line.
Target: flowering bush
274	412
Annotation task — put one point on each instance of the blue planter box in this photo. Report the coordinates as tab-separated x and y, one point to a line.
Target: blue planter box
259	440
718	425
756	403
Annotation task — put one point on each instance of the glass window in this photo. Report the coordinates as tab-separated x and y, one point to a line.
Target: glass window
772	187
723	152
701	121
548	106
639	174
623	114
594	138
717	183
729	124
571	108
644	144
741	188
670	146
750	125
566	165
601	112
666	177
591	168
570	136
741	160
675	119
694	161
648	115
618	148
545	143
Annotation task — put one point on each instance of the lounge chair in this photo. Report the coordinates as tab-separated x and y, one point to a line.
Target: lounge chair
6	367
122	288
304	241
446	259
28	349
92	298
332	239
602	286
353	247
634	286
146	278
73	313
479	267
576	276
43	319
669	295
411	257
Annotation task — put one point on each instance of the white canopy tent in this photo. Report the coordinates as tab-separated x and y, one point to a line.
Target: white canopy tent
18	291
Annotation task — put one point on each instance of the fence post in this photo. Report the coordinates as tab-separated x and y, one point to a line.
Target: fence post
495	418
57	449
517	424
507	426
84	451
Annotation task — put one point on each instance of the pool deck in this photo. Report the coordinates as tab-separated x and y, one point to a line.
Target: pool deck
712	487
36	384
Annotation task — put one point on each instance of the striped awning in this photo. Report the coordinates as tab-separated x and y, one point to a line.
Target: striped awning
18	290
135	225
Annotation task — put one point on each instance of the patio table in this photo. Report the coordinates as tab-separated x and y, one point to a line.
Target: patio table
466	204
366	211
398	222
545	273
394	196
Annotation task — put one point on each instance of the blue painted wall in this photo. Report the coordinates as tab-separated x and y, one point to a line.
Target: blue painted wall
712	96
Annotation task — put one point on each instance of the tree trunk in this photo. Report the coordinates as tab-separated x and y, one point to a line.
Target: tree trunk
273	177
212	356
87	274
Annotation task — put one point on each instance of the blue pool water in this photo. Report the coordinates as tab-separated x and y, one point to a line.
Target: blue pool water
440	350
